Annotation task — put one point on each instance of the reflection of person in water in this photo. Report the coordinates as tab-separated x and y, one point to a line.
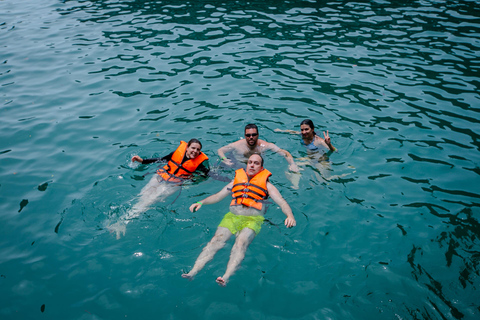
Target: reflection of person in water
318	149
182	163
249	189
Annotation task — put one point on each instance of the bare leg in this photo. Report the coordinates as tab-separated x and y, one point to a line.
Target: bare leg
155	190
244	238
218	242
325	169
294	178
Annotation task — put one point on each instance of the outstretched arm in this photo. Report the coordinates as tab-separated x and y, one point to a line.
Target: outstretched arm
137	159
291	163
152	160
292	166
286	131
214	198
221	153
278	199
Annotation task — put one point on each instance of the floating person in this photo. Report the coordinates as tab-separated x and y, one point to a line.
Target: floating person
249	189
310	139
244	148
181	164
318	148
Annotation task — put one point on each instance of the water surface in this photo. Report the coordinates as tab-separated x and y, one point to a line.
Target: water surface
87	84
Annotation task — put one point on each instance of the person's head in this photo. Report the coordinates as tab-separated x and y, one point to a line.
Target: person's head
307	128
254	164
193	148
251	134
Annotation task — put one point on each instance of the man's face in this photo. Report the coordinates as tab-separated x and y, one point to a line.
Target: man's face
251	135
254	165
193	150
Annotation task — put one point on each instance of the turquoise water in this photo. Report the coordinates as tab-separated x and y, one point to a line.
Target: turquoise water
87	84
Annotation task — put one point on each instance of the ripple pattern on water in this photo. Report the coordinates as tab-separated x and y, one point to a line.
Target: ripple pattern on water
86	85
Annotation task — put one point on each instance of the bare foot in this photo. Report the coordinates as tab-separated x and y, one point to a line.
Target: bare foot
187	276
118	228
221	281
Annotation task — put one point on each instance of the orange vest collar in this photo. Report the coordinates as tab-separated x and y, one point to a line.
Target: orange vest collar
250	192
175	170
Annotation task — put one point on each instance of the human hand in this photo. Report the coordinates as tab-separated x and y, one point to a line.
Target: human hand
228	162
194	207
290	222
293	167
137	158
326	137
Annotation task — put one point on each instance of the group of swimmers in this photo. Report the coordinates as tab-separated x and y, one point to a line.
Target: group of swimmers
248	190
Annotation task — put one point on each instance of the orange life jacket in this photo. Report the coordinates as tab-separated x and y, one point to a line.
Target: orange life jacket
175	170
250	193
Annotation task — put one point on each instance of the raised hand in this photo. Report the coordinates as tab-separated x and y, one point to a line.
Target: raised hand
326	137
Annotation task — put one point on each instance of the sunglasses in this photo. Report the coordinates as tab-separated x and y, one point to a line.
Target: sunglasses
248	135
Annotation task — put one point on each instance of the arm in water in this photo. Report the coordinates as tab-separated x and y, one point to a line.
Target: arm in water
213	198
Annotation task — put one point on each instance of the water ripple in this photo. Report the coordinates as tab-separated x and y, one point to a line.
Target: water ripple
86	85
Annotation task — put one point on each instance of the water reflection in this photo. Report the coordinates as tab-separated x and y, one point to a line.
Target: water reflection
395	83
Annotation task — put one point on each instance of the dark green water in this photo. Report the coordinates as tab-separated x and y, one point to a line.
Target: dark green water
87	84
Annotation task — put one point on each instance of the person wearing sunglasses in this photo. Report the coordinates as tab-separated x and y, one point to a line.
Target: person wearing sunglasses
244	148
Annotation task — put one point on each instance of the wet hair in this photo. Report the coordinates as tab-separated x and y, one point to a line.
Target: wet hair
258	154
309	123
251	126
194	141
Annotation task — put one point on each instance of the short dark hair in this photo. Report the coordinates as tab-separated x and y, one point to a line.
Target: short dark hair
251	126
194	141
309	123
258	154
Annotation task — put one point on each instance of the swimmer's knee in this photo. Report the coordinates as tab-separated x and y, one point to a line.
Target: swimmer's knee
245	238
220	239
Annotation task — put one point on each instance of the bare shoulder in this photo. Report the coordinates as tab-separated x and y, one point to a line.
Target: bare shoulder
267	145
319	141
261	142
240	145
234	145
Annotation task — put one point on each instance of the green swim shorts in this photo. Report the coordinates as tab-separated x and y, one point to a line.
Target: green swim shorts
236	223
